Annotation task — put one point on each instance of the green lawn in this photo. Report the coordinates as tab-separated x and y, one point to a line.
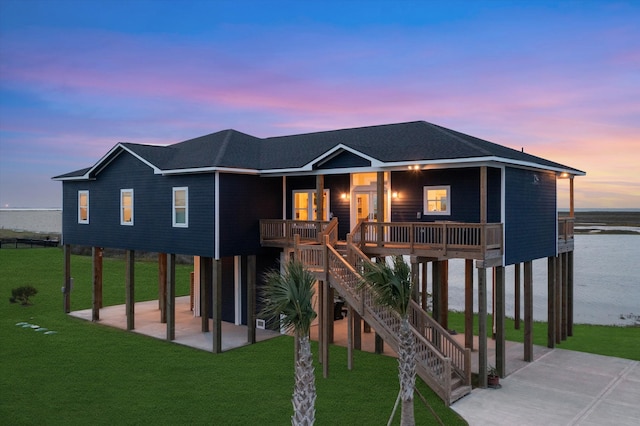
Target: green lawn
91	374
621	342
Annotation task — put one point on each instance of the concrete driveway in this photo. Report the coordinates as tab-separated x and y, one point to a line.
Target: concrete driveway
560	388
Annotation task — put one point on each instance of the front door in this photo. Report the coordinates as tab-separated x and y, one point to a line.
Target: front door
366	206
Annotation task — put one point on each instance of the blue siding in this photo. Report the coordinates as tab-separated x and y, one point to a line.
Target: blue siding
152	229
465	194
244	200
530	225
337	185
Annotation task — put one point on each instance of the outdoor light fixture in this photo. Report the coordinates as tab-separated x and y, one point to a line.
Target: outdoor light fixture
344	195
395	194
564	175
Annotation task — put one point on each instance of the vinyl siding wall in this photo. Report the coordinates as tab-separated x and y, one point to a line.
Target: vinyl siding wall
531	221
152	210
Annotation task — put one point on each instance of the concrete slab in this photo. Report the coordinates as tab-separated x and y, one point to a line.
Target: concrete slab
561	388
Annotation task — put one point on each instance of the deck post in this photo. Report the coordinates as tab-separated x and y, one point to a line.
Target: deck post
357	330
162	287
558	297
321	320
444	293
565	295
206	283
483	194
415	279
66	290
325	330
171	297
435	289
528	311
516	309
551	306
482	327
96	256
570	293
350	312
130	288
330	312
425	292
217	306
468	304
251	298
501	363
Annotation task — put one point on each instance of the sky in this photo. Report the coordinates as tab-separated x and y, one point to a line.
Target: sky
559	79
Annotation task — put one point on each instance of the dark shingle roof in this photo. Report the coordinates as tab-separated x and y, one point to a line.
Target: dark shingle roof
416	141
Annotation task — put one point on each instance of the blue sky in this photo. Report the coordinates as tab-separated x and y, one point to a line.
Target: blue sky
559	79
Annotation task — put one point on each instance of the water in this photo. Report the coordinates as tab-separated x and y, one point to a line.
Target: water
606	282
32	220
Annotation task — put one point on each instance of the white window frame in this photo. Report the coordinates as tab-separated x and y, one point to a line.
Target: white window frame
177	224
447	211
310	210
122	207
80	206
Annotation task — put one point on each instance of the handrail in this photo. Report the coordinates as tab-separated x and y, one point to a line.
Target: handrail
437	236
332	231
286	229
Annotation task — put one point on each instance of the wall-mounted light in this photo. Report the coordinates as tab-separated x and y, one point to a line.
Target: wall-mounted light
344	196
414	167
564	175
395	194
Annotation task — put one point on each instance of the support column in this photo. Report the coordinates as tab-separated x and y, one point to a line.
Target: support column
130	288
171	297
206	283
501	359
565	296
382	200
66	296
96	256
319	197
551	306
321	321
435	289
330	312
162	287
350	312
251	298
415	280
444	293
482	328
528	311
357	330
570	294
558	297
325	330
425	292
468	304
217	306
378	344
516	309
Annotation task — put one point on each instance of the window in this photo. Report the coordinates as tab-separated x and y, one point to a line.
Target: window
304	205
126	207
181	207
83	206
437	200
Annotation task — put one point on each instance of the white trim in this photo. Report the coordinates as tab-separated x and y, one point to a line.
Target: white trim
425	200
216	215
284	197
122	221
176	224
80	220
208	170
311	193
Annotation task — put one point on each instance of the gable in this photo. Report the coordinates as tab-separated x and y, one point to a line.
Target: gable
342	160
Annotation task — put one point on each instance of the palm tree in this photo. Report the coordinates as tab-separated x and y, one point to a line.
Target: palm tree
392	288
287	297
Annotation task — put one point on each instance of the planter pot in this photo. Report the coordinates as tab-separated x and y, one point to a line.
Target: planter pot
493	381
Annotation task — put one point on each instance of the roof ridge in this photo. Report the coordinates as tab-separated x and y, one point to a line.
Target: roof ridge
223	146
464	141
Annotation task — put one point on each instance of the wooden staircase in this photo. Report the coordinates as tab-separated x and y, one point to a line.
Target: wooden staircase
442	363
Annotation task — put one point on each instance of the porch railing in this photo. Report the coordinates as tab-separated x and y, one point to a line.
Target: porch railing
565	229
443	237
283	231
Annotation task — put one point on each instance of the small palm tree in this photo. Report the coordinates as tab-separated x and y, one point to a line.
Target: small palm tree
287	297
392	287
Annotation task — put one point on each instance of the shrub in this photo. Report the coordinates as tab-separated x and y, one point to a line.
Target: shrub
22	294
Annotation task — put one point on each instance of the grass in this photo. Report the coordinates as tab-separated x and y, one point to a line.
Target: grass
88	373
621	342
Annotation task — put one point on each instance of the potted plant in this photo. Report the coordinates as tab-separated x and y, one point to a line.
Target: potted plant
493	379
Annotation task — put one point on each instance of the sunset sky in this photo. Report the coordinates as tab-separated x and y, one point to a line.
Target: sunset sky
560	79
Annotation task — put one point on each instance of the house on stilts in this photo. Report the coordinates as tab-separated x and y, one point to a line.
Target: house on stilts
335	200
